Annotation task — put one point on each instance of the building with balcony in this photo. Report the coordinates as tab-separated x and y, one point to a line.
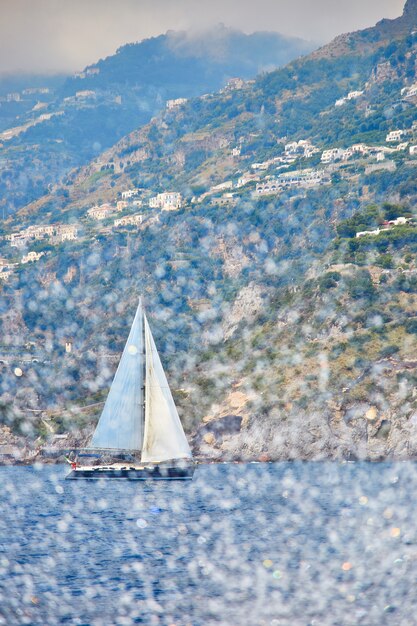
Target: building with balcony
334	154
100	212
167	201
129	193
394	136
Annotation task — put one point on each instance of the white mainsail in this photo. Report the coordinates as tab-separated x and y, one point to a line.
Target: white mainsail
121	422
164	438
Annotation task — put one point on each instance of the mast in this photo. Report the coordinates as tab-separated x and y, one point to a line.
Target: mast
142	411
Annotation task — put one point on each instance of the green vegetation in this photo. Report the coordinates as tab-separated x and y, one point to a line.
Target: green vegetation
275	298
370	218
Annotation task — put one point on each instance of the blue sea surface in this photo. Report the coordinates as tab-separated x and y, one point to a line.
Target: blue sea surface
284	544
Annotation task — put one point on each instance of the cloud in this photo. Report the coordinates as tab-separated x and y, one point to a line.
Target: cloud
65	35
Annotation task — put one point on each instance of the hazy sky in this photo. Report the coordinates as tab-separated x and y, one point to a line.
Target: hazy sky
66	35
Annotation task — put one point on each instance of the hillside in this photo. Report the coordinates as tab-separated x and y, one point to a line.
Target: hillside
281	287
187	63
384	33
49	128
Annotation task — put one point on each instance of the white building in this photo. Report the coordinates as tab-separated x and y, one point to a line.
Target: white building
235	83
121	204
167	201
262	166
310	150
334	154
400	221
304	147
32	90
39	232
5	273
352	95
395	135
364	233
402	146
100	212
129	193
268	187
410	92
359	148
32	256
134	220
174	104
86	93
66	232
291	147
303	178
17	240
413	150
60	232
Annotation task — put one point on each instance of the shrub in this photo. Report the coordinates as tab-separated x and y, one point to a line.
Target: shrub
407	283
360	285
329	280
411	326
385	261
388	351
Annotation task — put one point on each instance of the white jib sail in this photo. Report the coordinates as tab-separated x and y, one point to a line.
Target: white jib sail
164	438
121	422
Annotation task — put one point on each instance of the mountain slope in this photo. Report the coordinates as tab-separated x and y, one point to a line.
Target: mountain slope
291	336
382	34
96	107
187	63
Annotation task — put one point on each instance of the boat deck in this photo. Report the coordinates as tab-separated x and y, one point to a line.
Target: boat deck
131	472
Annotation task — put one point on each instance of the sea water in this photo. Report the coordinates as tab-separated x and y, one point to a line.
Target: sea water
257	544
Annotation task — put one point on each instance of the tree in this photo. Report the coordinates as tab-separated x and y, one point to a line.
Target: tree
360	285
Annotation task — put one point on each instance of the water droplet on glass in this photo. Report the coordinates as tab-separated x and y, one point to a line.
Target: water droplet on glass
141	523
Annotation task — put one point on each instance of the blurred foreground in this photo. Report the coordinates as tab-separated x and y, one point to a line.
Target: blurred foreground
248	545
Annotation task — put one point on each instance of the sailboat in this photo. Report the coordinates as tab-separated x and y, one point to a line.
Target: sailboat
139	435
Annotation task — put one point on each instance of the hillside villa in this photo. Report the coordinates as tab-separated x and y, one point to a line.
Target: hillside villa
101	212
174	104
387	225
128	220
56	233
129	193
167	201
31	257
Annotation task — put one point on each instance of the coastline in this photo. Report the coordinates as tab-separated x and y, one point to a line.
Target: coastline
59	459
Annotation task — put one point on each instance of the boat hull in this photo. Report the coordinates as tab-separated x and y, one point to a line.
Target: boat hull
131	473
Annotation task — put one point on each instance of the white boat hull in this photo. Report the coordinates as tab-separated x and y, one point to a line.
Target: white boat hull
165	472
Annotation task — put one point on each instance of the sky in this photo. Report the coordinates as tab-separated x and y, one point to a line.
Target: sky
46	36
